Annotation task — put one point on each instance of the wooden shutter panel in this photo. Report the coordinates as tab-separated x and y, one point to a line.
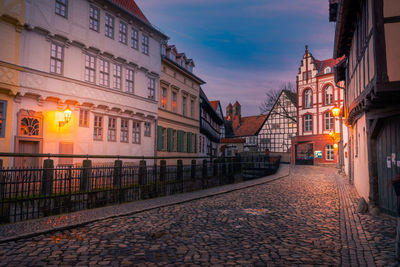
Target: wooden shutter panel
195	143
169	137
159	138
189	142
179	141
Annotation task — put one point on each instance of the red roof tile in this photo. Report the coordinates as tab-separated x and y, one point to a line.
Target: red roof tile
249	125
131	6
331	62
214	104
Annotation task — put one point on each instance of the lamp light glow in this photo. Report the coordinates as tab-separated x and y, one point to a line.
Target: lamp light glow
67	114
335	111
335	146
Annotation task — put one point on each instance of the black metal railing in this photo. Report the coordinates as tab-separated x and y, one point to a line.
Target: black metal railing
39	192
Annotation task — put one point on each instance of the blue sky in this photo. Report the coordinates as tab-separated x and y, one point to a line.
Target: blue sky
242	48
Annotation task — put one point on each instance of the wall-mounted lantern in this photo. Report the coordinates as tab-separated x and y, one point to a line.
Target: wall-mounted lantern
336	112
67	117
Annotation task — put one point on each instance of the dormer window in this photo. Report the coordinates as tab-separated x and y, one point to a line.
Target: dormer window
182	63
190	68
327	70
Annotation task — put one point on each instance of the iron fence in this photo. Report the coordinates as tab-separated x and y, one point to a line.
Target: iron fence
39	192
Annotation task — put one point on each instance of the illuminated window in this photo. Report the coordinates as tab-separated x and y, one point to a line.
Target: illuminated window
94	18
308	98
147	129
145	44
328	121
90	68
3	113
104	72
308	123
109	26
98	128
136	132
123	33
135	39
112	129
56	58
163	98
328	95
329	152
124	130
174	96
151	87
84	118
184	105
62	8
129	81
117	76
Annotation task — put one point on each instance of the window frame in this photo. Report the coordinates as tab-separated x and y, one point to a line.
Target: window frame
124	130
174	102
326	103
109	26
328	119
103	73
89	69
145	44
117	77
84	118
98	127
93	19
63	3
151	88
309	121
130	81
56	58
164	98
184	98
123	33
329	152
136	132
310	104
147	129
3	118
112	131
134	39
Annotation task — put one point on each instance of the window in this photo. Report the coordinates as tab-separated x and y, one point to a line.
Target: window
124	130
308	123
84	118
304	75
328	121
62	8
308	98
145	44
136	132
184	105
98	128
104	72
3	113
56	58
151	87
147	129
123	33
94	18
163	98
112	129
109	26
174	101
309	74
329	152
117	76
129	81
328	98
90	68
135	39
174	142
191	108
327	70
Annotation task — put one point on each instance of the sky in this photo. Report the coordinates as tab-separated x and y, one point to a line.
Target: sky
242	48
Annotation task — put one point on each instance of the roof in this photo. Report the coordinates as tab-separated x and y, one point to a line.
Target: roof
291	96
214	104
236	103
250	125
131	6
321	65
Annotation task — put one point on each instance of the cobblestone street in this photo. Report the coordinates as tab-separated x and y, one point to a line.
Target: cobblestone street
306	218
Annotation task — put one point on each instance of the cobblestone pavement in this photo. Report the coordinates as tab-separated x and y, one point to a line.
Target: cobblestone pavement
304	219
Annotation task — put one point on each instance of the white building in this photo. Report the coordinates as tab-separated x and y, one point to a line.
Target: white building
101	59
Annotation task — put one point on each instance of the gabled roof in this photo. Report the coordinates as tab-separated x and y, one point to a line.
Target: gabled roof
321	65
250	125
214	104
131	7
292	96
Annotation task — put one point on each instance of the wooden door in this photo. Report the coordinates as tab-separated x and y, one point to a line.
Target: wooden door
31	147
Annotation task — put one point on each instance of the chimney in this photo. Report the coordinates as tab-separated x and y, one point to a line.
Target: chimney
237	115
229	112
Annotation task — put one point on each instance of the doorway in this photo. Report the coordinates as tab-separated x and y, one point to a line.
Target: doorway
31	147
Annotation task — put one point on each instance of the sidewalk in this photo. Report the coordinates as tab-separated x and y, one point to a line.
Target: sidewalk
24	229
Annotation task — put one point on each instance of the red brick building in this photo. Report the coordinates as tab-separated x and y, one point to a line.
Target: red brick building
318	132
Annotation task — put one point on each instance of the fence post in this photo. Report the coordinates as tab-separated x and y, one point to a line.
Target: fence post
48	177
117	178
85	176
179	173
193	170
163	174
2	180
204	174
142	178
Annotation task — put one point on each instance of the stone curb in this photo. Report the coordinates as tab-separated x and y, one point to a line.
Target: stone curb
89	216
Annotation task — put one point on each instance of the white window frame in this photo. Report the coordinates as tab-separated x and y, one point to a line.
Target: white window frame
151	88
136	133
308	123
145	44
56	58
104	77
94	18
329	152
135	39
112	129
308	98
328	95
61	8
84	118
98	127
123	33
147	129
109	26
328	121
124	132
117	76
90	68
130	81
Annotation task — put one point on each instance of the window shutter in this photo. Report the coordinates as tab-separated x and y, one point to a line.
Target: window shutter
159	138
180	141
195	143
169	137
189	142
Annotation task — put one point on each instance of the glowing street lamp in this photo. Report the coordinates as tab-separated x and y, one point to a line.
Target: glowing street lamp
67	116
335	112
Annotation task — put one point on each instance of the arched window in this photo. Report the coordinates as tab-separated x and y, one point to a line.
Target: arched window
329	152
328	95
308	123
308	98
328	121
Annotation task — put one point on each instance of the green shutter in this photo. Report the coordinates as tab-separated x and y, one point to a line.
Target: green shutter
189	142
180	138
195	143
169	137
160	138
